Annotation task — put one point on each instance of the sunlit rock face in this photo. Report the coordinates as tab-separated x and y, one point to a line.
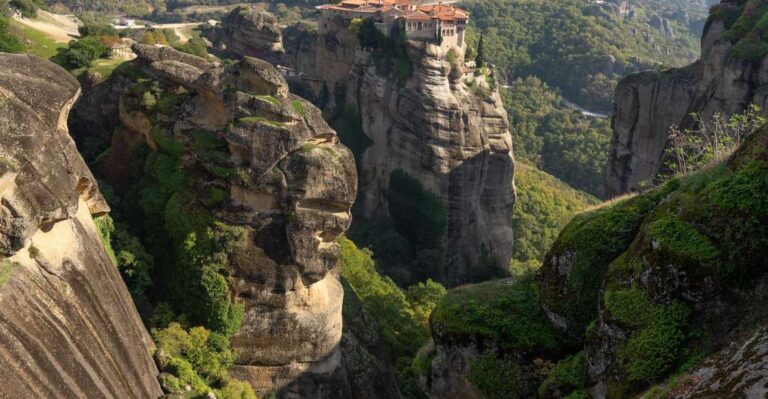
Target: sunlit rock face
68	327
291	187
450	136
249	31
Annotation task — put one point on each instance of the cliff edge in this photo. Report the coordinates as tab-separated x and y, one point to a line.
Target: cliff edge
68	327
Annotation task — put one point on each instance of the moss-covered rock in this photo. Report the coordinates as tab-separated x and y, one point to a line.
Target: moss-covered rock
696	256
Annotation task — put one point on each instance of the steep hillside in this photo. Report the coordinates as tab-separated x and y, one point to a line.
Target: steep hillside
730	76
68	327
544	206
636	295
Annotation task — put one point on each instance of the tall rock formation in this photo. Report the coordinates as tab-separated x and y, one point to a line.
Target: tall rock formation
249	32
441	126
68	327
262	164
728	78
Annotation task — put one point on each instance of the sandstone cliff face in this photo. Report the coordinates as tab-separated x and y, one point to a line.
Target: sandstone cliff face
452	138
249	32
263	161
68	327
647	104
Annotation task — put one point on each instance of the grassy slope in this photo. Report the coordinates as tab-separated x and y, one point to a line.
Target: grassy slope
36	42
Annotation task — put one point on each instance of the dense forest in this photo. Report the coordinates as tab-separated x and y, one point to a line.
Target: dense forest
580	47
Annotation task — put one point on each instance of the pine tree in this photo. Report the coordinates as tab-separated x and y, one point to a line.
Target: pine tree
480	58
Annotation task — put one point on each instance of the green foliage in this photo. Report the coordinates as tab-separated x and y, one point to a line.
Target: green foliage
201	359
298	107
712	140
9	43
480	59
595	239
130	257
569	43
504	312
402	323
424	297
496	377
389	52
556	139
81	53
652	350
28	8
544	206
349	127
105	227
747	27
95	28
568	376
402	318
195	46
682	240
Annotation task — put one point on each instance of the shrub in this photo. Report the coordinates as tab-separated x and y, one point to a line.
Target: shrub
497	378
8	42
81	53
504	312
651	351
568	375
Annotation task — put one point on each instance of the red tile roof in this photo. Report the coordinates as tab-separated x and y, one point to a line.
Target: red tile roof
416	16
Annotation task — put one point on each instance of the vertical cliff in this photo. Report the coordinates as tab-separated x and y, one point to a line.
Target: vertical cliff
430	118
68	327
731	74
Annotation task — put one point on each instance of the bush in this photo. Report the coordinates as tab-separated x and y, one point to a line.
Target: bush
497	378
652	350
201	359
506	313
81	53
568	375
195	46
8	42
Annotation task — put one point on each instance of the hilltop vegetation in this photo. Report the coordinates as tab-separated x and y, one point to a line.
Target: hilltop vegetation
577	46
557	140
544	206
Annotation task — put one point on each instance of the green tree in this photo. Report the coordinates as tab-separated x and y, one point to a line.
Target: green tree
480	58
81	53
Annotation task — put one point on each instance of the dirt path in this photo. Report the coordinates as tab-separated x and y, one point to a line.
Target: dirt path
61	28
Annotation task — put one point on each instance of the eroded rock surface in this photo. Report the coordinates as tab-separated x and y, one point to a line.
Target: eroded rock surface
264	161
452	138
68	327
647	104
248	31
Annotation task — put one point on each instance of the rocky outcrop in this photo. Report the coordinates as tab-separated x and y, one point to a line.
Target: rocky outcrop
68	327
263	162
648	104
438	125
649	281
249	32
